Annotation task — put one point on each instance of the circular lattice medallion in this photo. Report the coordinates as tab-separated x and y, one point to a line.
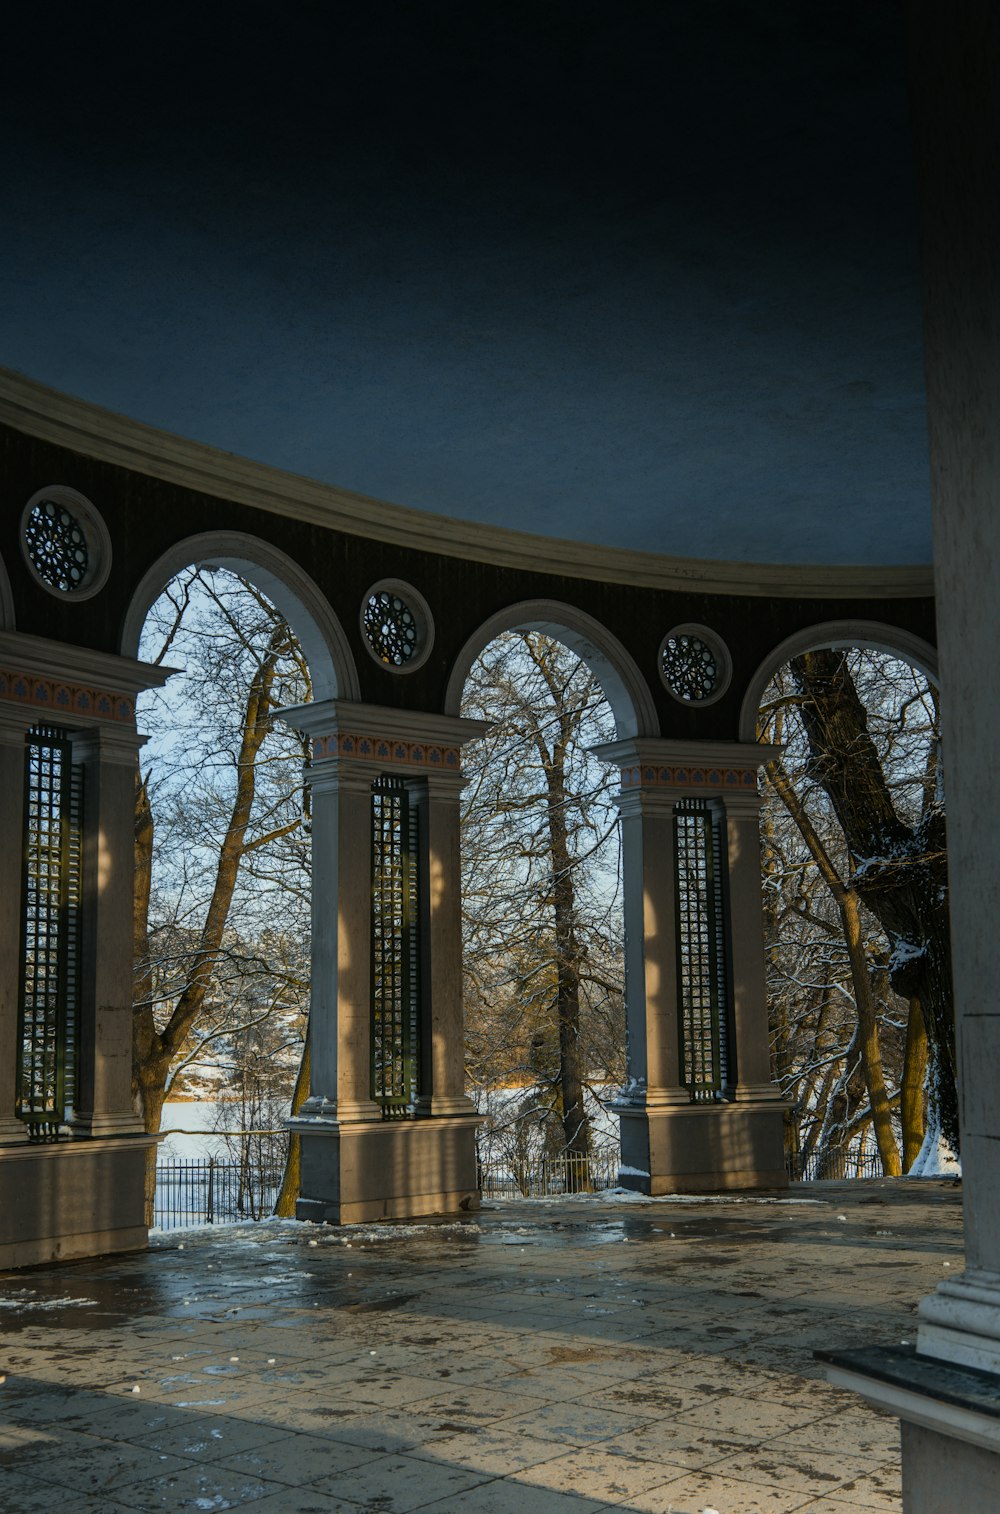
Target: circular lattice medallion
694	664
396	625
65	542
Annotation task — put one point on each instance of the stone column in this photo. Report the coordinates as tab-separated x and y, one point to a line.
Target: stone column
750	1021
669	1143
13	725
946	1393
340	1020
356	1165
441	946
104	1077
82	1196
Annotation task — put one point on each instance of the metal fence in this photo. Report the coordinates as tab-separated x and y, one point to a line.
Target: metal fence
836	1165
548	1175
211	1193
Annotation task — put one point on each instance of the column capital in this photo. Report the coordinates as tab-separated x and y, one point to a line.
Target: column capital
709	769
418	739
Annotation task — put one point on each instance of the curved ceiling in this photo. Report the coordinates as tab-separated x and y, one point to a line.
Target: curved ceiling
639	273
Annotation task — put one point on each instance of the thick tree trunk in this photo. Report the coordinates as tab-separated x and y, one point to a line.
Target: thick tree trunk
901	870
290	1182
911	1094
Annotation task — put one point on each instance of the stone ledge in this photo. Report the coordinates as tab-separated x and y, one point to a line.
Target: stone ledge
961	1403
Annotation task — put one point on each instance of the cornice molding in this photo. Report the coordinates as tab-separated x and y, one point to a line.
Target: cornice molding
55	678
36	410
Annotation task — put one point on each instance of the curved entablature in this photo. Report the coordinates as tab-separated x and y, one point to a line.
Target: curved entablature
286	584
624	686
6	601
872	634
69	422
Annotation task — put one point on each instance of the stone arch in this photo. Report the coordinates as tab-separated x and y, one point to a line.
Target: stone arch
277	575
874	634
6	601
624	686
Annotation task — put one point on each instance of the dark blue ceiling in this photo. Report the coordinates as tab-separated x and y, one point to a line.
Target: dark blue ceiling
636	272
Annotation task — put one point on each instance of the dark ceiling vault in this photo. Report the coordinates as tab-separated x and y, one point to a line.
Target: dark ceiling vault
640	273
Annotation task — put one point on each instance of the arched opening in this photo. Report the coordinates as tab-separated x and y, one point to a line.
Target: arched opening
275	575
624	687
855	906
222	899
543	967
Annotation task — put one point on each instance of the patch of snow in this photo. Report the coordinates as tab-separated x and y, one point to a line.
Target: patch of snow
633	1172
25	1300
935	1158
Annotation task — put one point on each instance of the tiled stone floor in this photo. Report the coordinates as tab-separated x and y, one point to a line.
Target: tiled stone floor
538	1358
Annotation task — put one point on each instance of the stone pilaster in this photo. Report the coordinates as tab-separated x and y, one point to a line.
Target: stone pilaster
441	947
355	1165
104	1078
670	1143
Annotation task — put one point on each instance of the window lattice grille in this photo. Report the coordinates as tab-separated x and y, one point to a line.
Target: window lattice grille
395	968
48	1008
701	950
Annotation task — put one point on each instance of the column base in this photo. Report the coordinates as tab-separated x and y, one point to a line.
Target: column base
960	1321
393	1169
950	1423
13	1132
703	1148
72	1198
126	1123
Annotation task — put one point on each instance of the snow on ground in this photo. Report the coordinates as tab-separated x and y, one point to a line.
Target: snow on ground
24	1298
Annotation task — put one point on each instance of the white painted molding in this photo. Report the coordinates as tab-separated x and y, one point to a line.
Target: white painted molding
626	690
6	601
286	584
330	716
41	658
39	411
874	634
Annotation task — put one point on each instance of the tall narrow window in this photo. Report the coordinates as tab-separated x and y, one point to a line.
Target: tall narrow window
395	938
703	979
48	1005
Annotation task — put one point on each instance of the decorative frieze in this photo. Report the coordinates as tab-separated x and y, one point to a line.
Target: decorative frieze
64	698
744	779
364	748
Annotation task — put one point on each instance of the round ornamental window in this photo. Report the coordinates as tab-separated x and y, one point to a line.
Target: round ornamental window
57	545
694	665
65	542
396	625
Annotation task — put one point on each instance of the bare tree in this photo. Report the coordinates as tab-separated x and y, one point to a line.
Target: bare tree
542	936
856	903
219	834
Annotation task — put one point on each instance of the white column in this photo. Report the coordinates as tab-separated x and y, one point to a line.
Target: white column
104	1078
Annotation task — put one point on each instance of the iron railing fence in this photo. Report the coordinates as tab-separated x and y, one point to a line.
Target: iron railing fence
836	1165
211	1192
544	1176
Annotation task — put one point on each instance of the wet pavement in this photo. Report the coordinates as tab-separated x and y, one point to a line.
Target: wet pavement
541	1357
